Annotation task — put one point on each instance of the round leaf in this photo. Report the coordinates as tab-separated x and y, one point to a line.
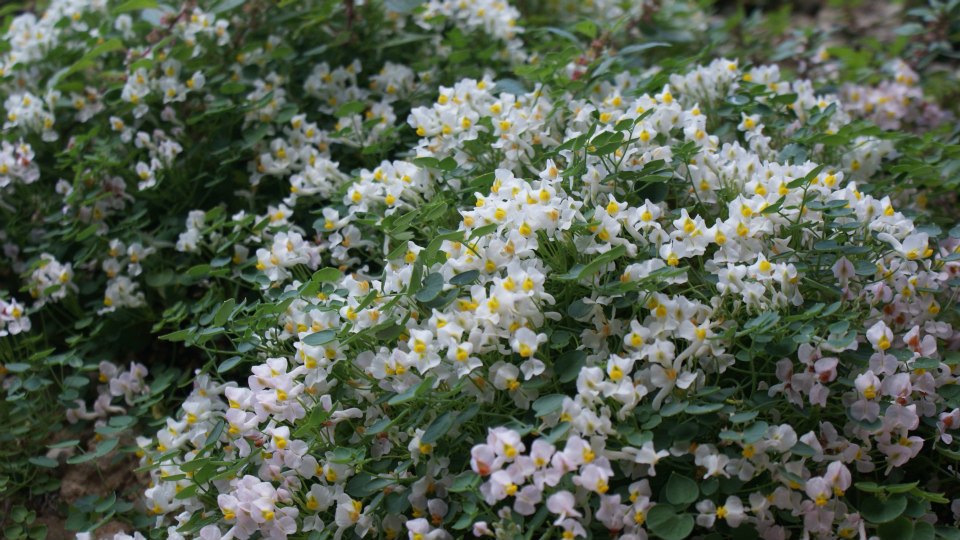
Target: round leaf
877	510
898	529
681	490
667	524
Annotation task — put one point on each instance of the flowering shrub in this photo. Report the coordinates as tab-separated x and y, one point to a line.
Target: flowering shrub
439	269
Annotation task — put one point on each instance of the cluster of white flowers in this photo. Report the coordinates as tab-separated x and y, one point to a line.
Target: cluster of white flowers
167	84
17	165
519	122
335	87
398	185
50	280
121	291
454	279
13	318
605	10
894	102
115	382
162	151
688	16
31	114
110	198
304	148
31	38
87	104
286	251
497	18
671	350
131	255
199	23
189	240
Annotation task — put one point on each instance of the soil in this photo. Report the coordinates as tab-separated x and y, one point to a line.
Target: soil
102	477
113	473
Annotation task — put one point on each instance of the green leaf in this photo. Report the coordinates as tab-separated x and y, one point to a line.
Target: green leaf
426	162
403	6
80	458
681	490
663	521
320	338
868	487
229	364
579	309
350	108
464	481
133	5
365	485
548	404
326	275
755	432
187	492
19	514
87	232
587	28
803	450
429	255
738	100
439	427
948	533
558	431
569	364
901	488
806	179
704	408
465	278
230	88
86	61
64	444
674	408
760	323
727	435
346	455
775	207
105	447
938	498
123	421
412	392
580	271
198	271
640	47
432	286
379	426
447	164
898	529
214	435
107	503
227	5
923	531
877	510
224	312
743	417
509	86
43	461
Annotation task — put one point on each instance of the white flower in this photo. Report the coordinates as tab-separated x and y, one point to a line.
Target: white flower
524	342
648	455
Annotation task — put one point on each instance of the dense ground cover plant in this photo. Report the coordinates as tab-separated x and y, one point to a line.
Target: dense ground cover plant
444	269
